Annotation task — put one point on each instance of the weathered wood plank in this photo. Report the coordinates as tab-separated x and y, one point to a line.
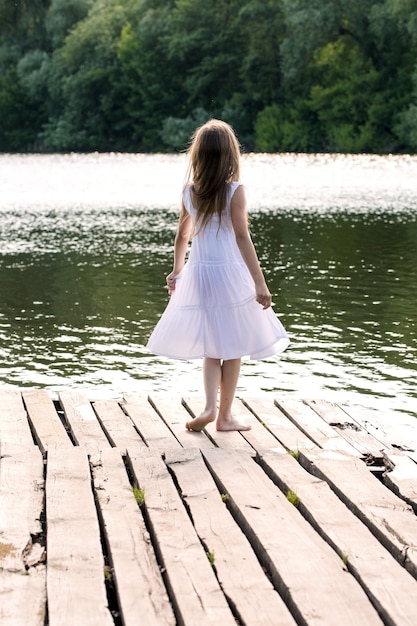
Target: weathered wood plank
120	431
190	579
348	428
391	589
401	476
149	423
259	437
389	518
394	430
83	422
75	563
307	572
285	431
314	426
48	428
231	440
176	416
238	570
14	426
22	552
140	589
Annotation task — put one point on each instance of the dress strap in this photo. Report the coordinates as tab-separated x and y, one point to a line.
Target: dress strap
233	187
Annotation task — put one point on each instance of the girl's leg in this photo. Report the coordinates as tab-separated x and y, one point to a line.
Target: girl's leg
230	374
212	376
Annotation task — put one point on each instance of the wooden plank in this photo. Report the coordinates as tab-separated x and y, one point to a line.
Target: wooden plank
149	423
233	440
394	430
191	582
401	476
119	429
75	563
140	589
285	431
304	569
47	427
238	570
314	426
14	426
174	413
348	428
83	422
391	589
22	552
389	518
259	437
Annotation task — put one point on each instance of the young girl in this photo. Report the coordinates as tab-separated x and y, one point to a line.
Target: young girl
220	306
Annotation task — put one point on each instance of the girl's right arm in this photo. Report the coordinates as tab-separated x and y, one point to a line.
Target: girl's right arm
182	238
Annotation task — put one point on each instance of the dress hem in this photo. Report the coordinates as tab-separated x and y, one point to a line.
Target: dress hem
283	343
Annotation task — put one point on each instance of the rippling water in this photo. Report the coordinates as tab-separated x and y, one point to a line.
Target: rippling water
86	241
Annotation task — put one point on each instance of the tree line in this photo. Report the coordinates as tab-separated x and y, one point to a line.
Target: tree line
139	75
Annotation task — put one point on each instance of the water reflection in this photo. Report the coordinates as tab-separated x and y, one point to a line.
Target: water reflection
83	285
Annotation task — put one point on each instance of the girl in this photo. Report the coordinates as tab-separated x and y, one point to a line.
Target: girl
220	305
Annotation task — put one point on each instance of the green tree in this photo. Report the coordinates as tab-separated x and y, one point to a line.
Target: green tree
402	16
62	16
258	67
152	80
207	44
21	31
22	23
176	132
262	27
346	82
19	120
346	71
287	129
85	91
293	75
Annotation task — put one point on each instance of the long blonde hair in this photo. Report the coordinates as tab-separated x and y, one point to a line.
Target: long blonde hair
214	163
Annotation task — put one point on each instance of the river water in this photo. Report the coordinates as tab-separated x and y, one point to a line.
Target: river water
86	242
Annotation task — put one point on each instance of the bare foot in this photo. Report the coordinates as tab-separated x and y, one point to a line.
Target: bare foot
198	423
230	423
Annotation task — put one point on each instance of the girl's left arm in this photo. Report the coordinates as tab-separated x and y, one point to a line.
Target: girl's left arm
182	238
246	247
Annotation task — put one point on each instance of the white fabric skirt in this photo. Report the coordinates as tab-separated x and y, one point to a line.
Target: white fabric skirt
213	313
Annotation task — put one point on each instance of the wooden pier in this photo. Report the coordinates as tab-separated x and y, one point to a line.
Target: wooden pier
111	513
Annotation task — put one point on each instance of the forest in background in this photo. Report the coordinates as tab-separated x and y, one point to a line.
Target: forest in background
139	75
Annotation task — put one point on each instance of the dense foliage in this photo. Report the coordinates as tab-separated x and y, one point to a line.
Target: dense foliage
138	75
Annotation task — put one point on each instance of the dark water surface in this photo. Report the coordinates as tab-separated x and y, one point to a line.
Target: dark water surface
86	241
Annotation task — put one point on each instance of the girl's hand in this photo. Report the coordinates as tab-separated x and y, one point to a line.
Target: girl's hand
263	296
171	279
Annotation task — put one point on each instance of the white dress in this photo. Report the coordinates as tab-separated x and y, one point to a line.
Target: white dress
213	311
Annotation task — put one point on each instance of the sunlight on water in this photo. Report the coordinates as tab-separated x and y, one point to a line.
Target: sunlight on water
306	182
86	240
